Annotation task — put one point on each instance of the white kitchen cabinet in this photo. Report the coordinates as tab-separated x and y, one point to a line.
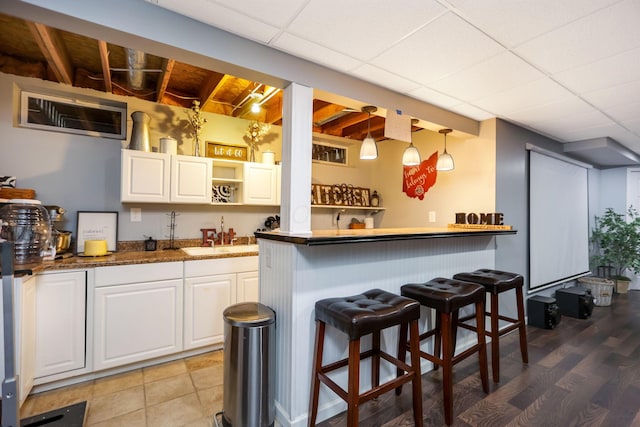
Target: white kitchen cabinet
190	179
164	178
136	320
205	299
145	177
247	287
60	322
260	184
211	286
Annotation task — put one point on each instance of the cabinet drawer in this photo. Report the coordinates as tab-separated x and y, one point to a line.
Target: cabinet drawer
207	267
123	274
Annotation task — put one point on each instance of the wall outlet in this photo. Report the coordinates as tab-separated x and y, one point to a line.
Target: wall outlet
432	216
135	215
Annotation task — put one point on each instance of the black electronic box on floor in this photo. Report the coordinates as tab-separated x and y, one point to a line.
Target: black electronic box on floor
575	302
542	312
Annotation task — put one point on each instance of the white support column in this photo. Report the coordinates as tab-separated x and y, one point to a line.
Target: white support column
297	116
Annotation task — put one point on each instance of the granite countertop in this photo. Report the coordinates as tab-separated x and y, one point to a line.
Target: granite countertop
125	257
332	237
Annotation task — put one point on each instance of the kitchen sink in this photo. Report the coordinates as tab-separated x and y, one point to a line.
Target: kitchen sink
217	250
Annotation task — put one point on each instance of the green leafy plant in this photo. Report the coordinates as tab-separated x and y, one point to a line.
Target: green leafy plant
616	242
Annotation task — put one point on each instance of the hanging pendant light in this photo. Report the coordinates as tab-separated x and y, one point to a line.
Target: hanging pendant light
445	161
411	155
369	149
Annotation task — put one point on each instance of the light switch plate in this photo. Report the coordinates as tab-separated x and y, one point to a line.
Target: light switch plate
135	215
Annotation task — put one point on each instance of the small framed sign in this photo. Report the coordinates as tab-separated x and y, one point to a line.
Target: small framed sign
218	150
95	225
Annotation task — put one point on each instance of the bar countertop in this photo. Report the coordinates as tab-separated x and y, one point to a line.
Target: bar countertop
334	237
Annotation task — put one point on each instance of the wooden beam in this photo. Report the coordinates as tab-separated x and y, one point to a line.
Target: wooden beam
53	49
214	84
106	69
163	80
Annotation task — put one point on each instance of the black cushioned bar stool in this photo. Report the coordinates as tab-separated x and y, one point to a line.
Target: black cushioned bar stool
495	282
357	316
447	296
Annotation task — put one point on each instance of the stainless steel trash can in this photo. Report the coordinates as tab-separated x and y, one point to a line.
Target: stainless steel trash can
249	366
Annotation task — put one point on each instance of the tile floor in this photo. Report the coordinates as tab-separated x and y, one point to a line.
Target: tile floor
183	393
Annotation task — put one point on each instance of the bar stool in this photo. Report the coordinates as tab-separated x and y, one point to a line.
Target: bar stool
357	316
447	296
495	282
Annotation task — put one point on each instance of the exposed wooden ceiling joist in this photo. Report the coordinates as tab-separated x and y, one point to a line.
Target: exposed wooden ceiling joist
53	50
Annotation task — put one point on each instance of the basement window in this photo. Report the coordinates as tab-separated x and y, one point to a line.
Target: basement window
83	116
326	153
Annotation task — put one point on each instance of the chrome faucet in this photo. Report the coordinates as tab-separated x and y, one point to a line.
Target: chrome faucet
222	230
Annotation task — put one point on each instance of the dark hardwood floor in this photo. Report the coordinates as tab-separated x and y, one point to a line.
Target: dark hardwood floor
586	372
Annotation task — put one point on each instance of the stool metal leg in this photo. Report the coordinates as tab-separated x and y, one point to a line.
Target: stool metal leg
317	366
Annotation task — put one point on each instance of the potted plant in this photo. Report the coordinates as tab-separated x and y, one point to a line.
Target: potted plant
616	241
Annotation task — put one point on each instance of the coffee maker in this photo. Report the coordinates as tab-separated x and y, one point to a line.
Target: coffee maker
61	239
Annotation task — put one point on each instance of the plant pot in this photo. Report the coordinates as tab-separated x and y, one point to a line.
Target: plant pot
622	286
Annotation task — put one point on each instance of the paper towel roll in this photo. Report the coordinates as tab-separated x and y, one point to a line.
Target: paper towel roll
168	145
368	222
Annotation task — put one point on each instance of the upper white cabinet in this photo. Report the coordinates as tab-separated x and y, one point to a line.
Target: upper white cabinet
60	322
246	183
190	179
260	184
163	178
145	176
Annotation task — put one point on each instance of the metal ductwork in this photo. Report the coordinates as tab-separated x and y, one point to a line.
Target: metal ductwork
136	63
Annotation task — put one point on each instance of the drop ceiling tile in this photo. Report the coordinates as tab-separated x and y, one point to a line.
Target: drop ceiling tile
311	51
531	94
433	97
615	96
607	72
605	33
223	18
572	111
584	133
496	74
445	46
471	112
274	12
391	81
514	22
361	28
625	112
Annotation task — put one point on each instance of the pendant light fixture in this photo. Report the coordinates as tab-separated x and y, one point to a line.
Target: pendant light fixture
369	149
411	155
445	161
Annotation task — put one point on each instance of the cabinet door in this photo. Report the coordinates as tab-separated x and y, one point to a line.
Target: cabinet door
260	183
137	322
205	300
248	287
190	179
60	322
145	177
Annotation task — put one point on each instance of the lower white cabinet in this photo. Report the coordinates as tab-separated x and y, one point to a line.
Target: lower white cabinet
205	299
247	287
210	287
60	322
138	320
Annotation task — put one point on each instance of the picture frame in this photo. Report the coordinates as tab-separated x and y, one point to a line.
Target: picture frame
97	225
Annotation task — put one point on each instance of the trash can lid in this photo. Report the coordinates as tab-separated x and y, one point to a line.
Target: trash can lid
249	314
